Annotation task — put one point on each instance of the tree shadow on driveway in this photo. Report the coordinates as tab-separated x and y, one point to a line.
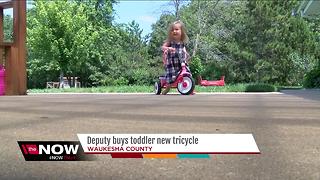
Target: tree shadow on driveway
311	94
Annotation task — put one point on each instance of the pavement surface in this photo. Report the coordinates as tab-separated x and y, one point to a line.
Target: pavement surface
286	127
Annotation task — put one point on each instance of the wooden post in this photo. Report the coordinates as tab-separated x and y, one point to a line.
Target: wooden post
16	75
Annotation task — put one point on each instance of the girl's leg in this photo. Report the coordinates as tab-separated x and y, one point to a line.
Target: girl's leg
166	90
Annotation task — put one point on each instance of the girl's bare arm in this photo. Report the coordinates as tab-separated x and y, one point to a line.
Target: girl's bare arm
187	55
166	47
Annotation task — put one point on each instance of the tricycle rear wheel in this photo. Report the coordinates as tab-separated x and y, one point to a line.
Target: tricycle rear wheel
157	88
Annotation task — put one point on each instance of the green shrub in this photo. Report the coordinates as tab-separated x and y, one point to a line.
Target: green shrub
213	71
196	67
312	79
260	87
110	81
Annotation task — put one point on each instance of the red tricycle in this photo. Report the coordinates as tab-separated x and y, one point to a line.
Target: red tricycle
184	82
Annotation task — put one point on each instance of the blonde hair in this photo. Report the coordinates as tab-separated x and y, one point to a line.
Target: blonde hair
184	36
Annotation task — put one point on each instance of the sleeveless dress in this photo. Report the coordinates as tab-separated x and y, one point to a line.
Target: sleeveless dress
174	60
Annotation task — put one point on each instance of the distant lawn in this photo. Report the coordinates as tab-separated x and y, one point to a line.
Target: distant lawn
101	89
149	89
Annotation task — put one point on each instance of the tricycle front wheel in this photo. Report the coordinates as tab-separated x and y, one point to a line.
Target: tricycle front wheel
187	85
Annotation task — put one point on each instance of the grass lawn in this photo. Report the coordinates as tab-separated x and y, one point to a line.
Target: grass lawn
149	89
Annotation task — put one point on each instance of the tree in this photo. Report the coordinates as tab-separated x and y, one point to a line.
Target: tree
99	11
159	34
210	27
173	7
62	36
8	28
202	18
279	42
247	41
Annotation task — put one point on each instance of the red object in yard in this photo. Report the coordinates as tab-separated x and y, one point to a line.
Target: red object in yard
212	83
2	80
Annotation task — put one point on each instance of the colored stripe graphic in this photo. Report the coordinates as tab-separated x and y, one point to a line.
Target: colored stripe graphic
24	149
193	156
160	156
126	155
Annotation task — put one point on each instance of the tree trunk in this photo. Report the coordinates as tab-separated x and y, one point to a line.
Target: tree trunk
201	25
177	7
196	45
199	32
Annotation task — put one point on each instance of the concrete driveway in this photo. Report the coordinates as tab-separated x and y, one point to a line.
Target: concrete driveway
286	127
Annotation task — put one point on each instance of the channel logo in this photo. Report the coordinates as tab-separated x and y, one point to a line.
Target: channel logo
53	151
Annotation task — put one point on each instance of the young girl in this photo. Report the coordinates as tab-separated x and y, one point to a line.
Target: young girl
174	52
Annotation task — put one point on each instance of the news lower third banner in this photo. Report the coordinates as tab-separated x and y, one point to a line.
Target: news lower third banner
167	145
139	146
